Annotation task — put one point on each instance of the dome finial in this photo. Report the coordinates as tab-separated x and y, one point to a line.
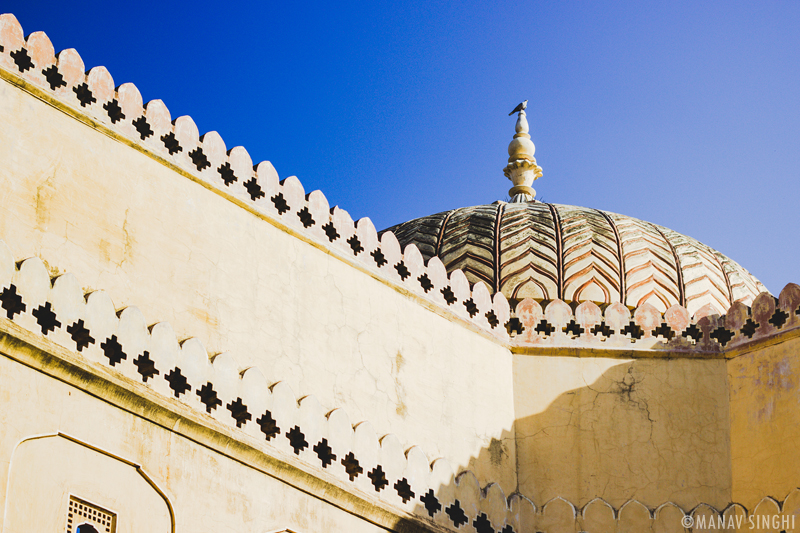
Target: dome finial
522	169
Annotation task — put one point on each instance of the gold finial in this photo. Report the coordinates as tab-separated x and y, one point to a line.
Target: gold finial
522	169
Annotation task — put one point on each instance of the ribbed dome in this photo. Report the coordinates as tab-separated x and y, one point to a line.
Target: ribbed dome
547	251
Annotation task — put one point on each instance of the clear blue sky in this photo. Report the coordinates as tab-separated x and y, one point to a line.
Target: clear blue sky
686	114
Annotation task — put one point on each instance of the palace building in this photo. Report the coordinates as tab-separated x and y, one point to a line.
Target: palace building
190	342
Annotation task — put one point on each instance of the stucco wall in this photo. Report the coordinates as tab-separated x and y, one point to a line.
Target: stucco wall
654	430
121	221
765	422
207	491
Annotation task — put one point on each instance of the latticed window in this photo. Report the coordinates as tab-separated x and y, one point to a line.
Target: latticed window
85	517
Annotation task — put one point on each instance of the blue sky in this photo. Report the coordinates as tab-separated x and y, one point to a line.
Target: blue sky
686	114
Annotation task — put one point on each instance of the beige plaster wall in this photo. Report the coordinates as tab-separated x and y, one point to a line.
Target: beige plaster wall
119	220
654	430
765	422
207	491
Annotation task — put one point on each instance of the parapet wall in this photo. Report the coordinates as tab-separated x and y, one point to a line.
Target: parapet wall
645	330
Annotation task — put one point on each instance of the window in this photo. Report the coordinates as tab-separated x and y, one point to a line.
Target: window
85	517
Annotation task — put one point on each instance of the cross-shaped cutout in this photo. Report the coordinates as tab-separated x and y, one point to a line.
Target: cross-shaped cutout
355	245
722	335
280	203
456	514
305	217
46	318
431	502
239	412
143	128
114	111
378	478
12	302
113	350
268	425
54	77
544	327
449	295
330	231
402	270
297	440
145	366
84	94
171	143
80	335
253	189
482	524
471	307
351	466
324	452
425	282
378	257
226	173
199	159
22	59
208	396
177	382
694	332
404	490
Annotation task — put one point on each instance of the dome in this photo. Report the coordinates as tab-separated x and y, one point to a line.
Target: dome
547	251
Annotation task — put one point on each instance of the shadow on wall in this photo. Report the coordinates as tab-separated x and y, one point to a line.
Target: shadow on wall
635	445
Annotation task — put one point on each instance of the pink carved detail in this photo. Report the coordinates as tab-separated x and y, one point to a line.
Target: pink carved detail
214	148
588	315
482	298
763	309
187	133
677	317
503	312
344	226
530	314
706	310
789	301
268	179
736	316
11	36
707	324
130	100
158	117
438	276
101	84
460	287
71	66
242	163
559	314
648	318
368	236
391	251
617	317
295	197
40	49
413	260
319	209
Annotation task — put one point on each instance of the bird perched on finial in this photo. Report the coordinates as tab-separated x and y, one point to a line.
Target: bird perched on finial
520	107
